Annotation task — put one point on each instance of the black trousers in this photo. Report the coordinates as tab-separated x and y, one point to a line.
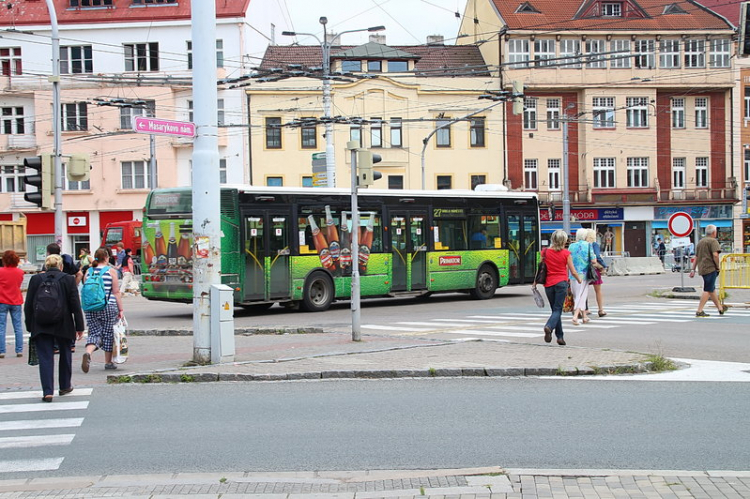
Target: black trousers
45	346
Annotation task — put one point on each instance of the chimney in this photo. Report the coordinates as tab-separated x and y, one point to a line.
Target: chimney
435	40
377	38
331	37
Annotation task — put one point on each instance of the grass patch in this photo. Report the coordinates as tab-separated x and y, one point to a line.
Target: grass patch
151	378
187	378
432	372
659	363
123	379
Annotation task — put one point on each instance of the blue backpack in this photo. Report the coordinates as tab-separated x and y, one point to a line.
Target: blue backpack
93	294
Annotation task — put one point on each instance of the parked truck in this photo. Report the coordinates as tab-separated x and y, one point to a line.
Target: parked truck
128	231
13	236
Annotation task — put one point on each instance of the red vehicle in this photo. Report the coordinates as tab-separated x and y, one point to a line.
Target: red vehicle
128	231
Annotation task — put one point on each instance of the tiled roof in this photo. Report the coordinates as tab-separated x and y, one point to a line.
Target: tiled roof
559	15
727	8
434	60
374	50
33	12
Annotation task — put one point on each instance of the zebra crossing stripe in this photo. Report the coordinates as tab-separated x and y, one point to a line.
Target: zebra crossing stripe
41	424
394	328
650	319
20	465
35	441
496	333
56	406
78	392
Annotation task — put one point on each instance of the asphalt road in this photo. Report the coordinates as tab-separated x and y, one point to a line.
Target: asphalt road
405	424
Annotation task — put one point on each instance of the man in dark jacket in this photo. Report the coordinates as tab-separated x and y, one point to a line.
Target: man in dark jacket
66	330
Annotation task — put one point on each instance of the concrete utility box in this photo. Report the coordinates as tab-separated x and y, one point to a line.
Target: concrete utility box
222	323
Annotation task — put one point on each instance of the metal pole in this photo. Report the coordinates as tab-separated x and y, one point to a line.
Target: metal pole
152	162
566	186
206	208
355	301
330	150
56	124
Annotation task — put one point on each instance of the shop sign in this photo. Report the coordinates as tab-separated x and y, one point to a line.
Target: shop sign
76	221
708	212
587	215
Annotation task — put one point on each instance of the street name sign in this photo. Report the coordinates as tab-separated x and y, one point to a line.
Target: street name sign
155	126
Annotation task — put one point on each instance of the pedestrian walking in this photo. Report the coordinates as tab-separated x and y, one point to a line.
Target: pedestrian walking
583	256
661	249
559	263
708	265
53	315
101	322
597	284
127	267
11	278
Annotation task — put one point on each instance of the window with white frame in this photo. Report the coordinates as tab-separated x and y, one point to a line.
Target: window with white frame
376	133
476	132
74	185
612	9
141	56
135	175
604	172
10	61
397	137
721	53
75	117
570	50
701	112
443	135
219	54
669	54
645	58
594	50
222	171
678	173
604	112
678	112
530	174
636	112
12	121
747	103
553	172
76	60
701	172
620	57
11	178
219	111
747	165
544	49
518	53
637	172
695	53
355	134
553	114
128	114
529	113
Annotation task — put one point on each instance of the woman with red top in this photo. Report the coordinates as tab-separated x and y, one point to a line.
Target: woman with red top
11	300
558	262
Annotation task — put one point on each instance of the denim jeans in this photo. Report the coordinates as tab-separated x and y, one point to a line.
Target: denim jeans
556	297
15	317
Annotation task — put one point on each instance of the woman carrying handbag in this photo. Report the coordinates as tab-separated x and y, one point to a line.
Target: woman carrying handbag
583	259
558	262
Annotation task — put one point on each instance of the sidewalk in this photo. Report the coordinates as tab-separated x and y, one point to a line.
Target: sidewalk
492	482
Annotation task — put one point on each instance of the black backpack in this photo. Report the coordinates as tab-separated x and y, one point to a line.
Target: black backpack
49	302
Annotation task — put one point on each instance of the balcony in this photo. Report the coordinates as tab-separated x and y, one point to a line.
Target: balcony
642	196
25	142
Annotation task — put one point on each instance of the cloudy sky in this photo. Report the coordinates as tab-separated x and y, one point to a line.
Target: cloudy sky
407	22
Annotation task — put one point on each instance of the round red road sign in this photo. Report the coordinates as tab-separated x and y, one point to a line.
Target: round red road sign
680	224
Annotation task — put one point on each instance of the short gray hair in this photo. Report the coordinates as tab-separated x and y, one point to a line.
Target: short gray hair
581	234
710	229
558	239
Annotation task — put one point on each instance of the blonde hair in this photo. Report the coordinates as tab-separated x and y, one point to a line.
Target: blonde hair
53	262
590	235
558	240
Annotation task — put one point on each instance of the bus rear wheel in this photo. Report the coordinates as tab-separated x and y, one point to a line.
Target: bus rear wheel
486	283
318	293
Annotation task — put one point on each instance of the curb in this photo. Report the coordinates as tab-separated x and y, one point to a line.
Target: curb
470	372
238	331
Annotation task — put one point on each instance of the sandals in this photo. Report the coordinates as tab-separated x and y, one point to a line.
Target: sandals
586	320
575	322
86	362
602	314
723	310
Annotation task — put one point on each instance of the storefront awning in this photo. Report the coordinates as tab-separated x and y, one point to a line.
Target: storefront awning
552	227
664	224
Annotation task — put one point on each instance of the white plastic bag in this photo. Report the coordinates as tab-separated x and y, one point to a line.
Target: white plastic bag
537	297
120	350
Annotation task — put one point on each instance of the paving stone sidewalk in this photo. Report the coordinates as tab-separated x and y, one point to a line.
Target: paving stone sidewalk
491	482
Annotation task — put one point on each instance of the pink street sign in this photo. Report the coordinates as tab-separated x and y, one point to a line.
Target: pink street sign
164	127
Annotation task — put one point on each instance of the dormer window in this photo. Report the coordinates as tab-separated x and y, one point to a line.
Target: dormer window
351	66
374	66
612	9
90	3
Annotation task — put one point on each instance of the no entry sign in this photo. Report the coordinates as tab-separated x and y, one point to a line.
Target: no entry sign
680	224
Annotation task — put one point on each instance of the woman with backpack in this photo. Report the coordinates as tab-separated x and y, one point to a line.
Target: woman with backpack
53	314
102	305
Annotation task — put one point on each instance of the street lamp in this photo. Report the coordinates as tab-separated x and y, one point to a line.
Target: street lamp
325	47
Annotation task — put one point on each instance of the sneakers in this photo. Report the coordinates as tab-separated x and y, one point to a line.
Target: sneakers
723	310
110	366
547	334
561	342
65	391
86	362
703	314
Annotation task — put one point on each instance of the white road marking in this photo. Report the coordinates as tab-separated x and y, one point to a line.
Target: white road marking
35	441
49	464
699	371
495	333
78	392
607	320
41	424
394	328
650	319
41	406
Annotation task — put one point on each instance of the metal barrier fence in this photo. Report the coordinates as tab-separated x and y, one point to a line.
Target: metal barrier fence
735	273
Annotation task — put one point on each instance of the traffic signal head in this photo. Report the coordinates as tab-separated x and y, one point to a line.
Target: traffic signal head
78	168
365	174
42	180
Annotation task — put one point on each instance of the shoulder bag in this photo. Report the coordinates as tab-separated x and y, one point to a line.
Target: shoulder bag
541	271
591	274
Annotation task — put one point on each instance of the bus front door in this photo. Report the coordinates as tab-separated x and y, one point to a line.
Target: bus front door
521	242
409	251
266	245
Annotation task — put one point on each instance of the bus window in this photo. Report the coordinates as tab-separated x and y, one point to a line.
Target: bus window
485	231
451	233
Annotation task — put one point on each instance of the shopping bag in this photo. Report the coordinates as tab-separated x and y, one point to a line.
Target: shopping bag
120	349
569	302
33	355
537	297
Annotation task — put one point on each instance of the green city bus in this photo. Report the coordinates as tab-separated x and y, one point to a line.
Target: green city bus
293	246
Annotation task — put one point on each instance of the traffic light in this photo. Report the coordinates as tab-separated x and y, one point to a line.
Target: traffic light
744	46
517	97
365	174
78	168
43	181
